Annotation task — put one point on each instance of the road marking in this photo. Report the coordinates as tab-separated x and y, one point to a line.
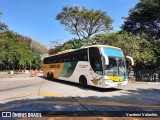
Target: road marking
76	103
14	106
154	83
88	102
91	118
115	103
50	94
77	118
20	96
43	93
135	119
20	87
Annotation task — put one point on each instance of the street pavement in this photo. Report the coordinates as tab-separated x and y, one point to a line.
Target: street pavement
59	98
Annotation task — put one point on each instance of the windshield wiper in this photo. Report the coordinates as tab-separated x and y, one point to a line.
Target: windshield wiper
114	71
121	68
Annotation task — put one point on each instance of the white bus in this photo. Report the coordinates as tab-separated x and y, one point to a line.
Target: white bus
98	65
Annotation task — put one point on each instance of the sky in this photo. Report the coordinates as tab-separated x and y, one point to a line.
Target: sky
37	18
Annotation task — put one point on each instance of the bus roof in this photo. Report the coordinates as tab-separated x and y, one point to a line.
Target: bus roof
99	46
71	50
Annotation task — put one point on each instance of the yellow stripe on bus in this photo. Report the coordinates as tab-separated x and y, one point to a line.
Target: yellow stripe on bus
55	68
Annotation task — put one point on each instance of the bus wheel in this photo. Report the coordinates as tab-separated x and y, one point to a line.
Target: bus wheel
48	75
52	76
83	81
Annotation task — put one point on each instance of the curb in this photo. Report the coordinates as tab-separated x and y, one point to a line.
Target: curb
152	83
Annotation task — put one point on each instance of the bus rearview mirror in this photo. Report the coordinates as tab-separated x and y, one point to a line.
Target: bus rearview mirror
106	60
131	59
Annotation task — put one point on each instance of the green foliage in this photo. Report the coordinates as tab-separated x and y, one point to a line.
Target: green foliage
73	44
70	44
140	49
83	22
156	48
144	19
3	27
18	52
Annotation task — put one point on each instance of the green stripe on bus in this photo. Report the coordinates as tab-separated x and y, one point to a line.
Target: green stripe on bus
68	69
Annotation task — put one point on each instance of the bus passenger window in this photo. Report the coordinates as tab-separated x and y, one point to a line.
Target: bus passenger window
98	66
95	60
82	56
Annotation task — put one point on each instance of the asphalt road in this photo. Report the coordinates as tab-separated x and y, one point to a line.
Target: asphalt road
63	98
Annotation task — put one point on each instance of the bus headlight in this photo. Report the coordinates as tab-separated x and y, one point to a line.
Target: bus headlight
109	80
105	77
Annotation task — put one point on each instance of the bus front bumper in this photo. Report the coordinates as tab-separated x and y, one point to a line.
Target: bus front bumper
115	84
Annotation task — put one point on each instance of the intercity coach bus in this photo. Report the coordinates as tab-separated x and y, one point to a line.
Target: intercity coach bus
98	65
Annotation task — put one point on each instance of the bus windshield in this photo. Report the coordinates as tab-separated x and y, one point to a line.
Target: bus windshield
117	65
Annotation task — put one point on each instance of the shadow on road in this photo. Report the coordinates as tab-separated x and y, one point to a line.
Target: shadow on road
116	105
134	100
81	87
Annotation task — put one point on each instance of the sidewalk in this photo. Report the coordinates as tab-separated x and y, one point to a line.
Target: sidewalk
6	75
136	82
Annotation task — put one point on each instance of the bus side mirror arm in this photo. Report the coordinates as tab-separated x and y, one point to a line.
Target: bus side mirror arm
131	59
105	57
106	60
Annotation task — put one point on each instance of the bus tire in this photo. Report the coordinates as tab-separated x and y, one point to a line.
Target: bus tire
48	75
52	76
83	81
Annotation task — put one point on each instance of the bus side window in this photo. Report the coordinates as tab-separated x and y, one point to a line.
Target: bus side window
95	59
60	59
45	61
69	57
74	56
98	66
64	58
82	55
54	59
49	60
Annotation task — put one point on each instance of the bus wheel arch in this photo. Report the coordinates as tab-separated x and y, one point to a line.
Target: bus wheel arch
52	76
83	81
48	75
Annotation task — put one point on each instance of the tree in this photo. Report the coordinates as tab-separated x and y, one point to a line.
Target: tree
83	22
3	27
73	44
39	48
19	52
55	47
140	49
144	20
